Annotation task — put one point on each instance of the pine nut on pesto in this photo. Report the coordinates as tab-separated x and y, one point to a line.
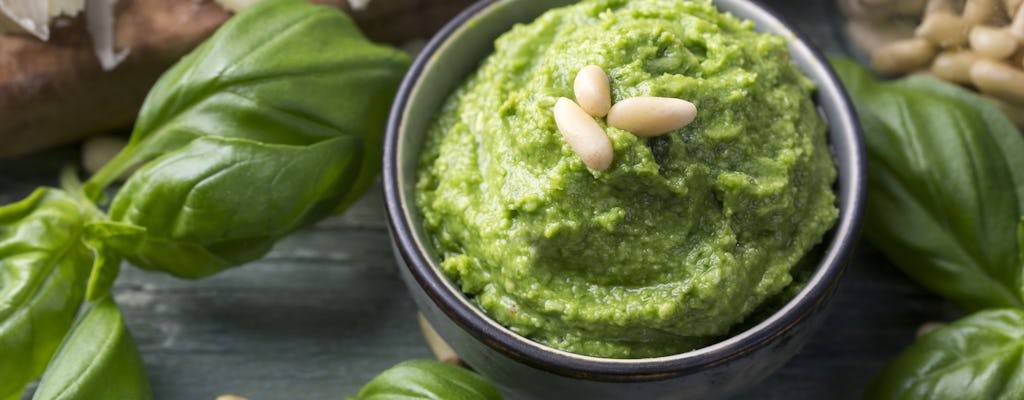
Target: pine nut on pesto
647	116
685	237
592	91
583	134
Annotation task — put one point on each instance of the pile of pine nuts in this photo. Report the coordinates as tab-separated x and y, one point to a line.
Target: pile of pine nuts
975	43
642	116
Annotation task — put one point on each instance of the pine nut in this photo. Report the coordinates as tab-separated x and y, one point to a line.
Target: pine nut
944	29
954	66
999	80
868	35
592	91
977	12
651	116
98	151
1017	26
929	327
442	351
1011	7
995	43
903	56
583	134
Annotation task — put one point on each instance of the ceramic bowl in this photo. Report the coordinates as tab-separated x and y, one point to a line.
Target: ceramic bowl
526	369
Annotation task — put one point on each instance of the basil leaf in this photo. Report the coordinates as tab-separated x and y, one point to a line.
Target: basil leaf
977	357
220	202
281	72
97	360
944	188
423	379
1001	129
43	268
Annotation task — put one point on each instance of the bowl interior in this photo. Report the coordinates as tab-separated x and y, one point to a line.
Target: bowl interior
459	49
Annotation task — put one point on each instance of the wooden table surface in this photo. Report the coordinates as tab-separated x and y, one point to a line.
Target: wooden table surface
325	311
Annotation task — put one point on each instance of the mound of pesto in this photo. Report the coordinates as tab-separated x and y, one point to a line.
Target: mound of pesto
684	236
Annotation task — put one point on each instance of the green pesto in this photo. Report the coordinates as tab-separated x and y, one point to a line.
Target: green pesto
684	235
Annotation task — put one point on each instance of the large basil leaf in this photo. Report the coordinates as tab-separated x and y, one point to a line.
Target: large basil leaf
43	270
999	128
978	357
428	380
281	72
97	360
945	186
219	202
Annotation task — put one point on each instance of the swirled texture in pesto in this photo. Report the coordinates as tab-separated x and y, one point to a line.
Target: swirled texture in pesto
684	236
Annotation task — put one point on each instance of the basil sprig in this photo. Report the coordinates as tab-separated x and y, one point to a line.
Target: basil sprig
274	122
428	380
946	192
271	124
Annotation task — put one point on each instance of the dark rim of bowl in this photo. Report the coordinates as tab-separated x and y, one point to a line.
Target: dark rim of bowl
817	291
